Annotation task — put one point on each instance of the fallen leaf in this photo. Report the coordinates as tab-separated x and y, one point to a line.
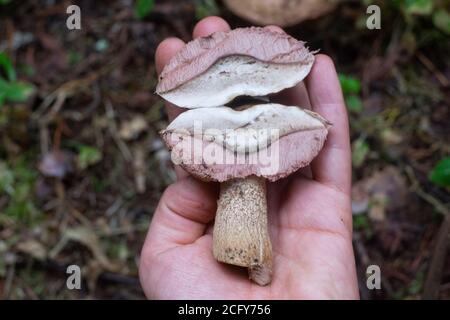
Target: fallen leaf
88	238
383	191
33	248
131	129
139	169
88	156
360	150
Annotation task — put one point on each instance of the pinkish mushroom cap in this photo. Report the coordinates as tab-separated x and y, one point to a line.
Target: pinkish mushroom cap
246	61
267	140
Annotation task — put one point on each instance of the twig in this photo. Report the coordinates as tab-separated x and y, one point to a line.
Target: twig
361	249
57	135
120	279
44	138
434	276
110	115
79	216
79	116
122	230
57	98
9	280
139	169
432	68
361	252
117	204
61	208
438	205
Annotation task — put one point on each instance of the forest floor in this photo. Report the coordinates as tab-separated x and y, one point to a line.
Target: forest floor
82	166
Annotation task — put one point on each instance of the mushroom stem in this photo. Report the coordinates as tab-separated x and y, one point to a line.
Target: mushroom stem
240	234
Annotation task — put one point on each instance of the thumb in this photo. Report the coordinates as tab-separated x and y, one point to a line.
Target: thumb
182	215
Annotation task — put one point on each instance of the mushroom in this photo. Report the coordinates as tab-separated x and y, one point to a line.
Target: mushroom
240	148
244	61
280	12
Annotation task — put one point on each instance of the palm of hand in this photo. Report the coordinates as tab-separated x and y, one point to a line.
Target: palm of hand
309	219
311	246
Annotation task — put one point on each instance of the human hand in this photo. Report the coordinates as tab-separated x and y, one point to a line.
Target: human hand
309	213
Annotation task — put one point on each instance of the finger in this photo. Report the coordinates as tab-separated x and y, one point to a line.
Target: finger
183	214
274	28
210	228
165	51
295	96
305	172
180	172
333	164
209	25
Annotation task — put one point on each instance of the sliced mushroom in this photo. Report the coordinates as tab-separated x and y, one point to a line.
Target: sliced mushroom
241	147
268	140
248	61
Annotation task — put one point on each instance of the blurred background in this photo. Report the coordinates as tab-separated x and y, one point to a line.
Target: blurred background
82	166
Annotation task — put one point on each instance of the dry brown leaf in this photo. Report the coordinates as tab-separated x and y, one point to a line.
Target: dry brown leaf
33	248
382	191
131	129
88	238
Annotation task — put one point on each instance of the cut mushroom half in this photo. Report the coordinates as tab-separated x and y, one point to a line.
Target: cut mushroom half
248	61
241	149
267	140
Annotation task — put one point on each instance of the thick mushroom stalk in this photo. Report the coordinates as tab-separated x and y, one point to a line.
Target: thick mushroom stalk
241	234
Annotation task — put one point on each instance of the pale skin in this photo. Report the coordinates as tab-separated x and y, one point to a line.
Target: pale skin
310	222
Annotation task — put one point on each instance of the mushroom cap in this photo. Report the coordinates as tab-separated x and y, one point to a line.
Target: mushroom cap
266	140
280	12
246	61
